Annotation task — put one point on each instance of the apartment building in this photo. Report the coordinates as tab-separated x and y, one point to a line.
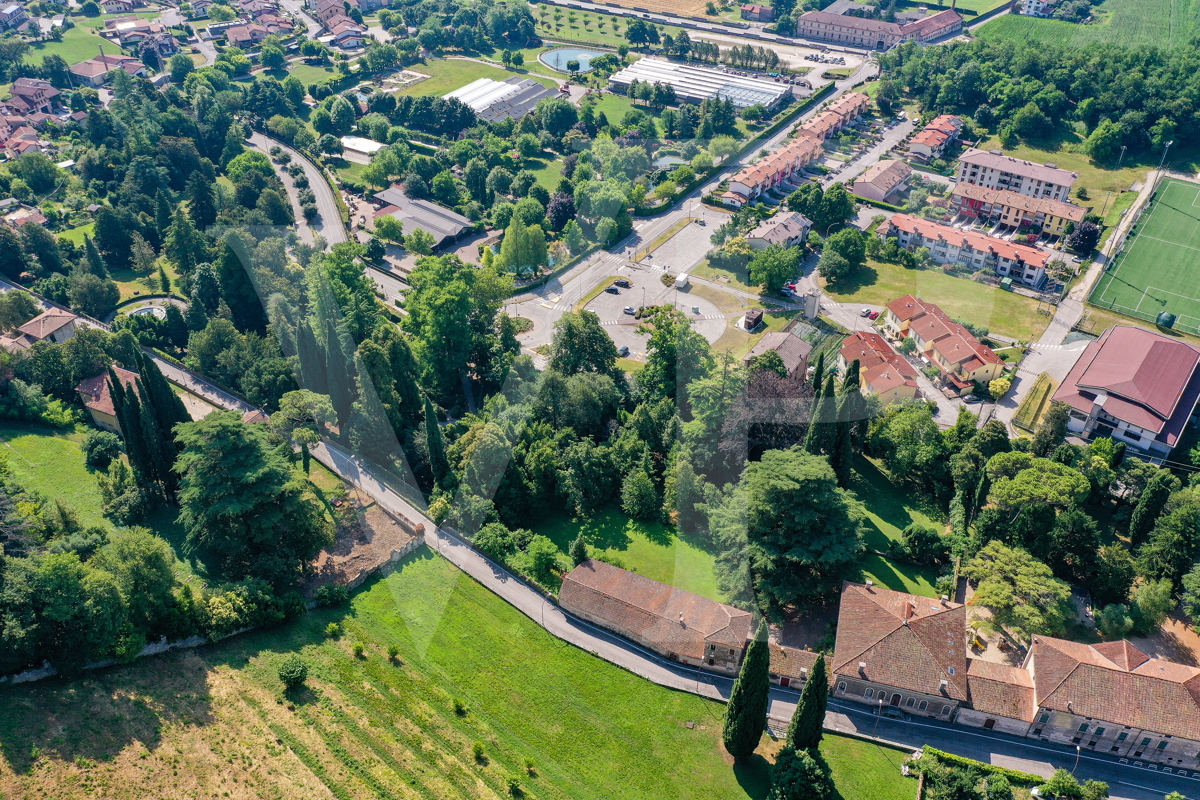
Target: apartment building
961	359
873	34
882	371
1024	264
992	169
773	169
935	137
1010	208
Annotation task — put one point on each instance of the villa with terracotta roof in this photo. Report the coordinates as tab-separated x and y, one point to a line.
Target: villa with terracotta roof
882	180
1133	385
98	400
961	359
882	371
53	325
935	137
1012	208
994	170
679	625
948	245
874	34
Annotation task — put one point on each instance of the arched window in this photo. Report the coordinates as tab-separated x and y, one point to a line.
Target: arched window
909	703
869	692
842	686
924	705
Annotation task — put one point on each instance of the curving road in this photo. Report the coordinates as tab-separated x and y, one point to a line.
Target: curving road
329	221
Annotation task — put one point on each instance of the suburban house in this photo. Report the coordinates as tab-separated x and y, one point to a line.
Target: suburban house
1012	208
882	371
32	95
961	359
757	13
244	36
949	245
992	169
884	179
874	34
53	325
791	348
774	169
443	224
200	7
850	106
98	400
935	137
117	6
94	72
1135	386
788	228
1035	8
679	625
12	15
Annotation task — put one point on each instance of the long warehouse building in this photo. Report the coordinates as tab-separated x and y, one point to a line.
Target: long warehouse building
495	100
695	84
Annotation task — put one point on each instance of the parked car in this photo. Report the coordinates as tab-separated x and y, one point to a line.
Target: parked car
624	351
873	315
894	713
629	310
624	284
613	290
865	312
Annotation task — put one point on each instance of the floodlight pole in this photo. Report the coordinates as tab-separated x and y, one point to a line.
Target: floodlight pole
1162	160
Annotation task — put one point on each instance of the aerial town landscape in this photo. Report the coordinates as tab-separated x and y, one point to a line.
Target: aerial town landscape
564	399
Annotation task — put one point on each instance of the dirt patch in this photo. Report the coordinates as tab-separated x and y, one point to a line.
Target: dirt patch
1174	641
366	538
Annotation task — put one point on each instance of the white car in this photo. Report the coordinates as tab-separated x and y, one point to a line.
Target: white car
864	312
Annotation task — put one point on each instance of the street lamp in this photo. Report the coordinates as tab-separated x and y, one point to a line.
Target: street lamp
1078	752
878	714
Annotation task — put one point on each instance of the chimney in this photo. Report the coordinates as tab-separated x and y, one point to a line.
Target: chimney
680	617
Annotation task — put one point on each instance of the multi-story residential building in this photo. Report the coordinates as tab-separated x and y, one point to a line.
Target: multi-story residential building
773	169
1135	386
874	34
882	371
961	359
787	228
882	180
31	95
947	245
935	137
1010	208
992	169
12	15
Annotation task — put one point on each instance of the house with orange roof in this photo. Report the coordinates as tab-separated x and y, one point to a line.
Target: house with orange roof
935	137
1012	208
972	249
882	371
775	168
824	124
961	359
97	399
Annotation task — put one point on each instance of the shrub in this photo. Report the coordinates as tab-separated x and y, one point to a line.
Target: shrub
359	648
100	448
330	596
527	763
514	785
478	752
332	630
460	708
293	671
392	652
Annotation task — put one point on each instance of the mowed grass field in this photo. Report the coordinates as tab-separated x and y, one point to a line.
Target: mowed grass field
1159	23
1006	313
652	549
1159	268
446	75
49	461
214	722
78	44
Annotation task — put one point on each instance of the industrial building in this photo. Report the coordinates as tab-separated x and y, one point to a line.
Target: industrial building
695	84
444	225
496	100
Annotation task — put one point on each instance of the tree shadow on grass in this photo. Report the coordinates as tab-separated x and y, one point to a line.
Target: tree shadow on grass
861	278
753	775
882	498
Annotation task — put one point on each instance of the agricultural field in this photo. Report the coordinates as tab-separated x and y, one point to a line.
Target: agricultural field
592	26
216	721
1006	313
1158	270
446	75
1158	23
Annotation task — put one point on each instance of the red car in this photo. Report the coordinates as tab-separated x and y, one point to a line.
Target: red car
873	315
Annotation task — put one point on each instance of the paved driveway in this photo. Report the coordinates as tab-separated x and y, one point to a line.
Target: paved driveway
1056	359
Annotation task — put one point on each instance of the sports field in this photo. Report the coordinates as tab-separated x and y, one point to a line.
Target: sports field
1158	268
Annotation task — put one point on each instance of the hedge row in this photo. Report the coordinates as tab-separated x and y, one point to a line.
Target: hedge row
1024	778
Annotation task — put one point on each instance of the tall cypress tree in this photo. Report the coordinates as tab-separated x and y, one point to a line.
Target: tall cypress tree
128	412
201	207
823	421
312	362
746	713
96	264
819	372
812	441
435	447
196	317
338	374
805	730
841	457
169	410
162	215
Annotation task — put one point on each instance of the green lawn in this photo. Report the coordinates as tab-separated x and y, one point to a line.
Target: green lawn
734	280
76	234
1112	215
78	44
1006	313
547	170
899	577
446	75
657	551
100	21
890	509
586	27
1134	23
306	73
215	720
49	461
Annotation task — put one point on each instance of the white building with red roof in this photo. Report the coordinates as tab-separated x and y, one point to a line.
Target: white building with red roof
972	249
882	371
994	170
1138	387
935	137
961	359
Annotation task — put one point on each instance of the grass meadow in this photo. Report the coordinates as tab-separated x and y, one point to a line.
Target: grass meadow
1157	23
216	721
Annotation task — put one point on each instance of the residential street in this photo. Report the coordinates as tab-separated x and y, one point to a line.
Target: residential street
891	138
329	221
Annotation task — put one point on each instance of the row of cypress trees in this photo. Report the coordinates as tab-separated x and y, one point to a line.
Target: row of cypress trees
835	412
799	772
148	412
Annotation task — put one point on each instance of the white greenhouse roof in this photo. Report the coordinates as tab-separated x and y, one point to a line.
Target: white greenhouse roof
700	83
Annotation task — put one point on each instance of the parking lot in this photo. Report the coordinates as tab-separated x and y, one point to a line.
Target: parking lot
646	289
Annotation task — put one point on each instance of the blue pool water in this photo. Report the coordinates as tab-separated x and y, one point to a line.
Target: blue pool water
557	59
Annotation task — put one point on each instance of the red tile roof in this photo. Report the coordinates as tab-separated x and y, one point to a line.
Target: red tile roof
1000	689
881	367
791	662
905	641
1023	202
47	323
1015	166
94	390
977	241
1150	380
632	604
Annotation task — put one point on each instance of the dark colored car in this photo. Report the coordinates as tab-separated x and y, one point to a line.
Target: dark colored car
624	351
613	290
624	284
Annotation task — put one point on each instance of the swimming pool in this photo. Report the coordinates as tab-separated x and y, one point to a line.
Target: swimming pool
557	59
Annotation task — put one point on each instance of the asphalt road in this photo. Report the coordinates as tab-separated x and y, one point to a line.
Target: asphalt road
328	222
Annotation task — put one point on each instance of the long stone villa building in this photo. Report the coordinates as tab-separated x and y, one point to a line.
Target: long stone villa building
913	653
